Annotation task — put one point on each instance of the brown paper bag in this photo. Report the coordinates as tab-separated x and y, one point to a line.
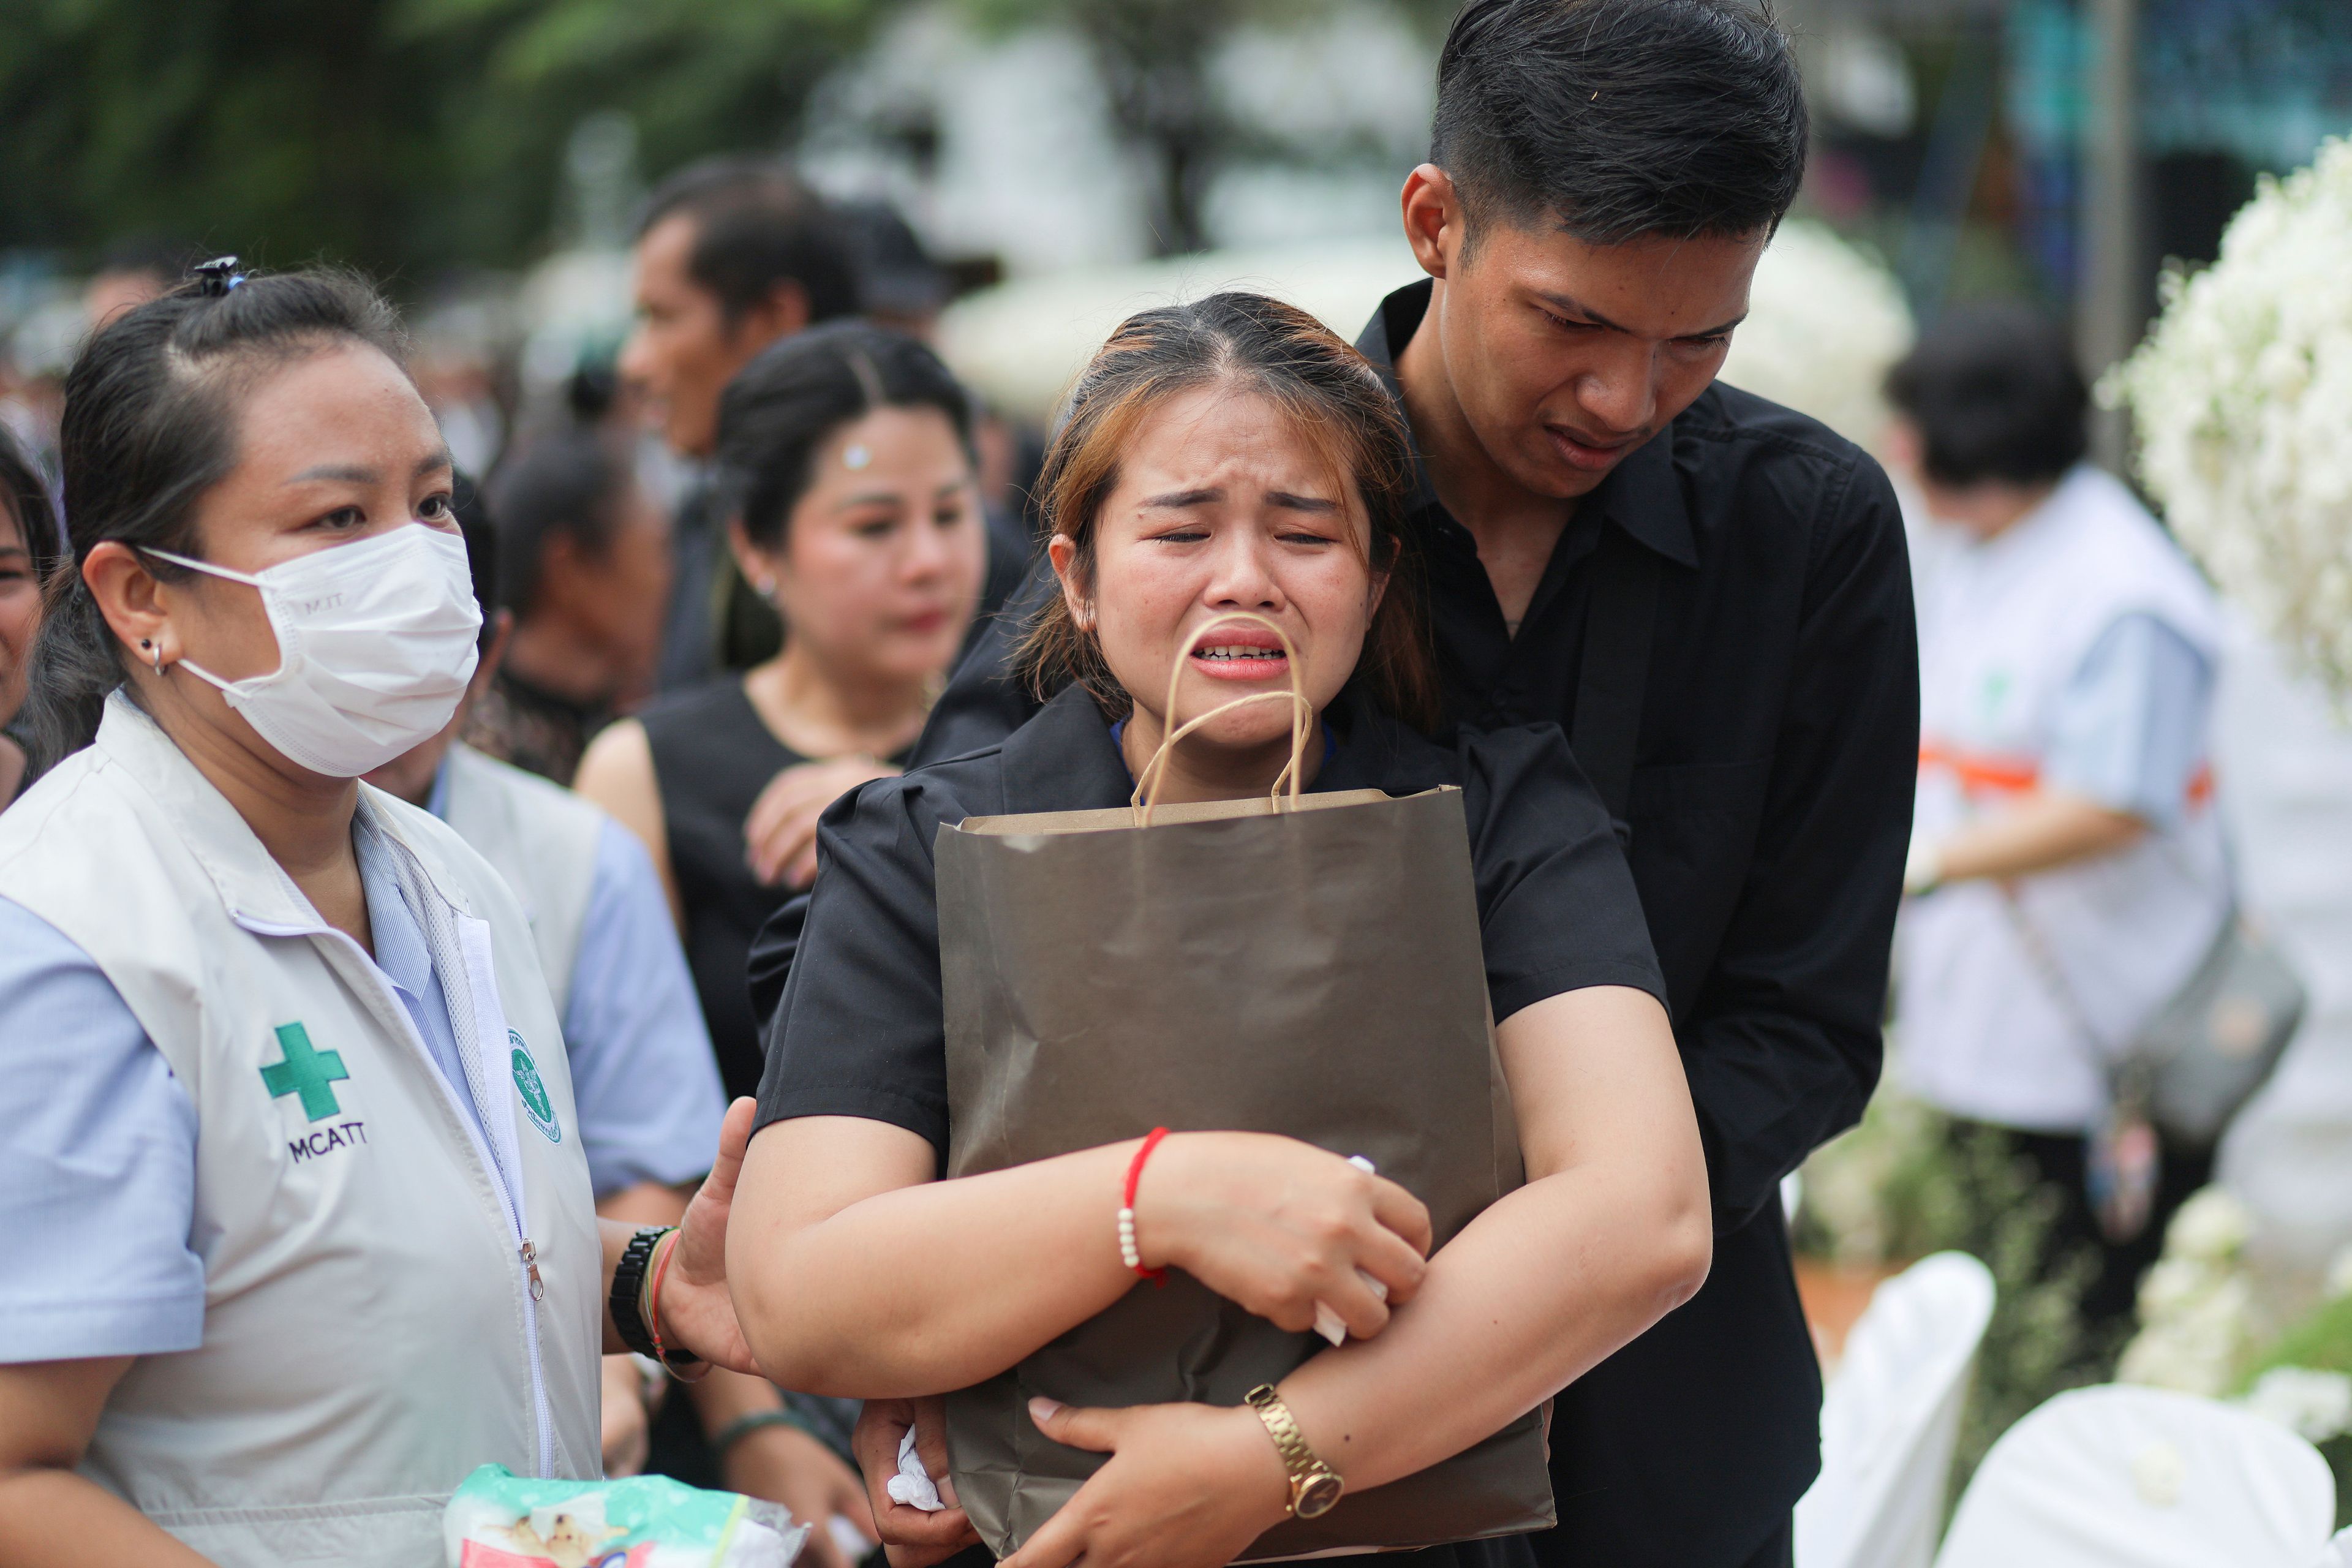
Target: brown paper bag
1310	968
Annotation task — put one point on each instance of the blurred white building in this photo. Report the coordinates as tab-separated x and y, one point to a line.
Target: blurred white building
1004	144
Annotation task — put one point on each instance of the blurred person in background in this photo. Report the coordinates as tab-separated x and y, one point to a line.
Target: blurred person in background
585	568
28	405
129	273
458	384
2067	871
28	549
903	288
732	253
641	1070
847	478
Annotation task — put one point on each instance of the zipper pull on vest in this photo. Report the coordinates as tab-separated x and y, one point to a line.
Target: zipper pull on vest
531	1263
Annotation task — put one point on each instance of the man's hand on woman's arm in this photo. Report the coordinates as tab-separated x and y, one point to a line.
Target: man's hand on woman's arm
50	1517
697	1311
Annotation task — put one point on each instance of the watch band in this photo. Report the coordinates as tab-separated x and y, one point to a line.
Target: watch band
1314	1486
628	1291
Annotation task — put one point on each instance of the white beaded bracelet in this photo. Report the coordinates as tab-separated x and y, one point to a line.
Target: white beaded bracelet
1126	1252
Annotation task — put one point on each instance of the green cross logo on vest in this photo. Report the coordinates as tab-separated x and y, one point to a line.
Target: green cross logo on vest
305	1072
535	1102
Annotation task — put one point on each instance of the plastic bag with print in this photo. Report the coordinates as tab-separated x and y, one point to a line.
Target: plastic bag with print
500	1519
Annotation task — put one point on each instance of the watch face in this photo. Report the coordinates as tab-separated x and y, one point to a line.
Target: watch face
1317	1494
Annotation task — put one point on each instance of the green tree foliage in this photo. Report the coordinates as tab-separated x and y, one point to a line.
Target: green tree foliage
398	135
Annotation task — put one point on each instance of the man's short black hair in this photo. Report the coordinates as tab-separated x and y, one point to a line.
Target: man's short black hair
1619	119
1995	393
756	225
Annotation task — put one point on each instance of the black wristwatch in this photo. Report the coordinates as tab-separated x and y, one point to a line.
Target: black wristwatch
629	1290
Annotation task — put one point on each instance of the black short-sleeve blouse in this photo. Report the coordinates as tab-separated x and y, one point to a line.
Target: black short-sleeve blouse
849	975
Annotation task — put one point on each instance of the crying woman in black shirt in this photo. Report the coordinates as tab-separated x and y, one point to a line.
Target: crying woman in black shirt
1230	456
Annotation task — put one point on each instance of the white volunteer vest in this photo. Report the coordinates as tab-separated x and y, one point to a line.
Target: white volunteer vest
541	838
370	1335
2004	627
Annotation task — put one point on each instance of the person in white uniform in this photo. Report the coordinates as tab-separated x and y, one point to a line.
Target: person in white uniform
288	1142
2067	871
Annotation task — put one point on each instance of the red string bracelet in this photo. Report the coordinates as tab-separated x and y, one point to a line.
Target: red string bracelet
1126	1252
692	1371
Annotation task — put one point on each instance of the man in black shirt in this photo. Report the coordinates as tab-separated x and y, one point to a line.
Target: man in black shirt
1710	595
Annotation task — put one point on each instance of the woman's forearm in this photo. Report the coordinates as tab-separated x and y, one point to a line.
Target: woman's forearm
2041	832
1531	1295
1611	1233
48	1514
925	1287
55	1519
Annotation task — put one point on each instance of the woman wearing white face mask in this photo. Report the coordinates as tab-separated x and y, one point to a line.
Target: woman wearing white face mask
303	1229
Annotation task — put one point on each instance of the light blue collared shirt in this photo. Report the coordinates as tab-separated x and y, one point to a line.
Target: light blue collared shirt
2130	727
98	1164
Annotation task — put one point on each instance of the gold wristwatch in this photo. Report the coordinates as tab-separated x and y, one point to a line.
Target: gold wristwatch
1313	1485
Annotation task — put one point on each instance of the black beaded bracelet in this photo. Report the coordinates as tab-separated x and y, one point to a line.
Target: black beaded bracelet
628	1290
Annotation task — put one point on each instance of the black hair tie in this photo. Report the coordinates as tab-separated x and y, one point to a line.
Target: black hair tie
216	277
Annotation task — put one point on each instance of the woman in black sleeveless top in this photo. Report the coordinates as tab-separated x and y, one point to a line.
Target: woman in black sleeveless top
713	756
844	460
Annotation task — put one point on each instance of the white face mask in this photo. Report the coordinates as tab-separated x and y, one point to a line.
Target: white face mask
375	644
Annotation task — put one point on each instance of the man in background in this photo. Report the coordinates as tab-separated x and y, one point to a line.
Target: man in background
731	254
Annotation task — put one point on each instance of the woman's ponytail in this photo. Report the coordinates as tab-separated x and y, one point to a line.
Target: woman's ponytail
149	426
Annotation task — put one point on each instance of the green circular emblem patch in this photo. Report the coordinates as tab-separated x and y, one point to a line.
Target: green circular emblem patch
535	1102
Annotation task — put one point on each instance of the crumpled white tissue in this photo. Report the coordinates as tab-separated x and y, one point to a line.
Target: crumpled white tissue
1329	1323
912	1484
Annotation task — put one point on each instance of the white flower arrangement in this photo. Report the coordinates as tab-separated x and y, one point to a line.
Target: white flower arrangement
2315	1405
2243	397
1825	322
2196	1304
2338	1283
2211	1226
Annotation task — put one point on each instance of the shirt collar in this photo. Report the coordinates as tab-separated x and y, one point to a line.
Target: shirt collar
1064	759
1642	496
399	939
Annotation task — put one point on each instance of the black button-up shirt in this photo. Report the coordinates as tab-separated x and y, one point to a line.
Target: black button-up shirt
1772	795
1770	810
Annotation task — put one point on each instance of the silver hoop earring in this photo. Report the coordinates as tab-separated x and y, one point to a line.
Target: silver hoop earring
155	654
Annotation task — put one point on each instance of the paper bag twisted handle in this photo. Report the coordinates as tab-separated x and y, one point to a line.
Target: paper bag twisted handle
1154	773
